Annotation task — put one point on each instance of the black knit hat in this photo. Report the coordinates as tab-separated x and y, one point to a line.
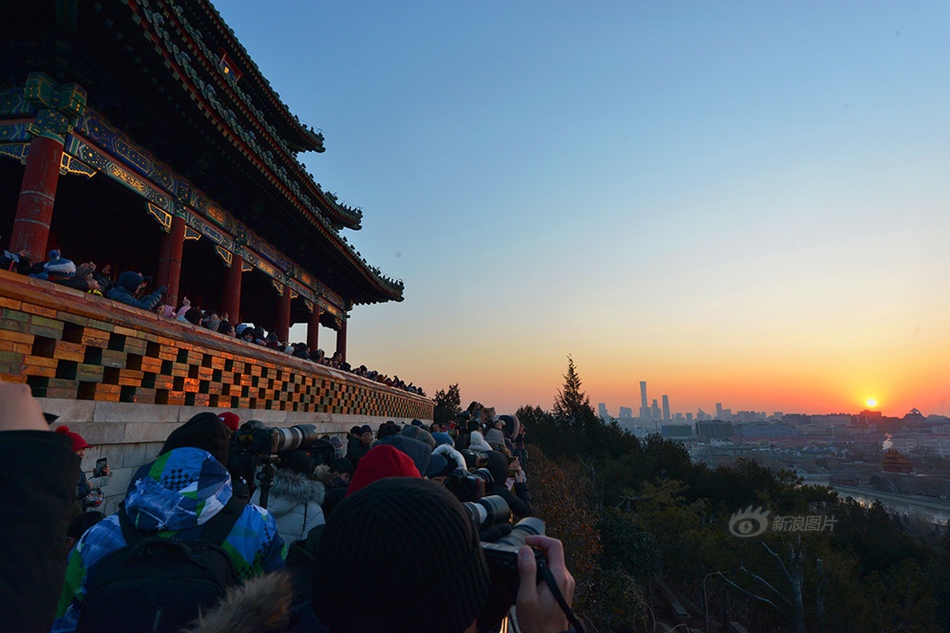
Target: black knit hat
407	531
205	431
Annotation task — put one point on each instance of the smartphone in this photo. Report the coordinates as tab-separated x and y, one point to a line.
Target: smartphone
101	464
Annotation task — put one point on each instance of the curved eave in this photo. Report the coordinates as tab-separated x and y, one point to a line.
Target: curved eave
296	133
339	215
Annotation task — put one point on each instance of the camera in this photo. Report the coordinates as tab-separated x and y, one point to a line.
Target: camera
469	486
502	558
254	439
488	511
475	459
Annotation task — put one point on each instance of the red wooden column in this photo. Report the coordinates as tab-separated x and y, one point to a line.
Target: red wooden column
232	289
34	209
56	108
313	329
283	316
169	260
341	339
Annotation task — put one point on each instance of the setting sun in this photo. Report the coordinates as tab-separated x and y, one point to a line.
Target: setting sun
871	402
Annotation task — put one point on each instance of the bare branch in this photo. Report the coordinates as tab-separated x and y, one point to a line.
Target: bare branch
767	584
749	593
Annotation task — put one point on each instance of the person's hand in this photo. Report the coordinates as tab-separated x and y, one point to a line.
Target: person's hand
519	476
107	269
19	410
537	610
106	471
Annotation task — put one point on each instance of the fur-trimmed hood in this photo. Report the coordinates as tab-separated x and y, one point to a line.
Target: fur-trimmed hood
290	490
261	604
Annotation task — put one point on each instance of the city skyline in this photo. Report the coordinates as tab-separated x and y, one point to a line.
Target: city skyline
745	201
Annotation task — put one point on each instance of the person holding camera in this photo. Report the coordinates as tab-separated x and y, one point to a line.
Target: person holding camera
424	540
129	286
518	498
85	488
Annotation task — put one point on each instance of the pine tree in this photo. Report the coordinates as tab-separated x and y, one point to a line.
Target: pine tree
447	404
572	405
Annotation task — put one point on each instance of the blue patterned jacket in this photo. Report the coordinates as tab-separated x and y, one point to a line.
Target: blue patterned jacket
174	495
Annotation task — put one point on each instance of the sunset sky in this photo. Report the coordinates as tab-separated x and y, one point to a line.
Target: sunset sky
739	202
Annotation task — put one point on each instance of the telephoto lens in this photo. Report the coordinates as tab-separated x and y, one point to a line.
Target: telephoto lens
529	526
292	438
489	511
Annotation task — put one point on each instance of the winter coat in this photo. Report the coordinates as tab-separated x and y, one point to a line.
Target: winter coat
173	496
295	503
38	493
124	292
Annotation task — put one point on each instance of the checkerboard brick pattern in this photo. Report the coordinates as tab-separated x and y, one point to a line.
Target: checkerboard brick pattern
68	344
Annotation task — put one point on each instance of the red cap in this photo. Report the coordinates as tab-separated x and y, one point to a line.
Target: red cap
231	420
380	462
78	442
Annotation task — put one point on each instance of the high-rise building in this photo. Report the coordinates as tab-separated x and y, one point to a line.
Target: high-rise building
689	418
626	413
718	410
602	411
645	413
666	408
655	410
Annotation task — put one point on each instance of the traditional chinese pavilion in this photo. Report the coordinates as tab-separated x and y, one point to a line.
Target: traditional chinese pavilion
895	462
140	133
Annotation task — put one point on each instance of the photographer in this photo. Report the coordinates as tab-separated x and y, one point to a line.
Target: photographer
129	286
424	540
519	500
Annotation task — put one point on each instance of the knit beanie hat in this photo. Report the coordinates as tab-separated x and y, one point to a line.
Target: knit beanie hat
378	463
443	438
76	438
231	420
298	462
419	433
409	531
419	452
205	431
60	266
478	443
495	436
341	465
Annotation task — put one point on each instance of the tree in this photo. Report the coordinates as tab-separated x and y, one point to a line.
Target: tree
571	404
447	404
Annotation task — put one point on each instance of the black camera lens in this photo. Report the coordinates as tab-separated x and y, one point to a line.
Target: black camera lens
529	526
488	511
485	475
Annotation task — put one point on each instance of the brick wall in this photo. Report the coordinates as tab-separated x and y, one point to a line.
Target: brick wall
124	378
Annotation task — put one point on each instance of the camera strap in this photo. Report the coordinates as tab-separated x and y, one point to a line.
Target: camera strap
559	597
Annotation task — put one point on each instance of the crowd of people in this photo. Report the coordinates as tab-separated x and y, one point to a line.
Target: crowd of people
372	539
130	288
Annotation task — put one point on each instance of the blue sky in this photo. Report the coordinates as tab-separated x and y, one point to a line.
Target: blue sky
742	202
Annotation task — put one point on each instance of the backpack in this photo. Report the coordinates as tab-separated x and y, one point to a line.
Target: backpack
159	585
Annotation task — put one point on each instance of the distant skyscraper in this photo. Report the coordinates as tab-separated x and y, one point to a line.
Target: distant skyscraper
626	413
718	410
655	410
689	417
602	411
644	407
666	408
